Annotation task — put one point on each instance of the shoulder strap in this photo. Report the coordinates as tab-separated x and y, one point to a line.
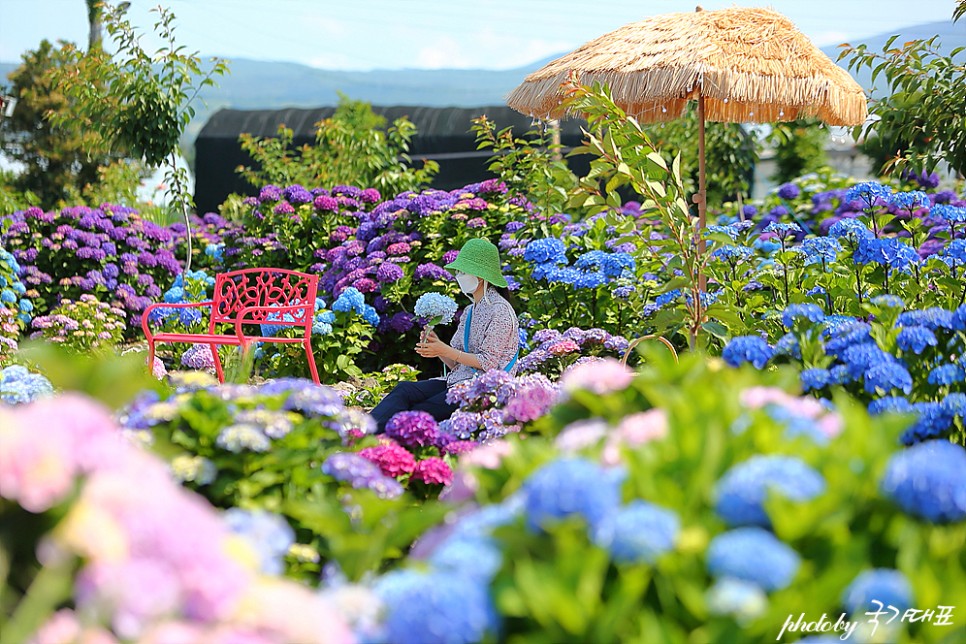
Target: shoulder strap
466	329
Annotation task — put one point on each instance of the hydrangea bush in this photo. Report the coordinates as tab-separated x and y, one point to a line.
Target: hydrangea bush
690	502
901	361
269	447
164	565
84	326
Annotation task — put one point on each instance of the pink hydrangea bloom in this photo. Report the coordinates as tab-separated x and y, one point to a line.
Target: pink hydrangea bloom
488	456
633	431
581	434
599	377
157	369
563	347
433	470
392	458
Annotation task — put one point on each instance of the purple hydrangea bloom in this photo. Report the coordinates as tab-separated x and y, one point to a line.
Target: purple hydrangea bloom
413	429
388	273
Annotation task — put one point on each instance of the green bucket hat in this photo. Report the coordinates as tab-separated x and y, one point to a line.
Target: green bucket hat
480	258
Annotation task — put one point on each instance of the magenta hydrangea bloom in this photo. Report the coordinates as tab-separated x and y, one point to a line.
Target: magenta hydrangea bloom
413	429
433	470
284	208
392	458
323	202
457	447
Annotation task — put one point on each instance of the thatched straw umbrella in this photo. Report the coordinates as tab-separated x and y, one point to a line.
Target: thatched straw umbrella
740	65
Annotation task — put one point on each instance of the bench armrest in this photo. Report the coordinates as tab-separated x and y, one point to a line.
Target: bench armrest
166	305
240	319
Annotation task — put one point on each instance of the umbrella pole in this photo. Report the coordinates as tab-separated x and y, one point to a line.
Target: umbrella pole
701	198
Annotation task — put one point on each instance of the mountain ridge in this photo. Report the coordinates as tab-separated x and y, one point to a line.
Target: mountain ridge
274	85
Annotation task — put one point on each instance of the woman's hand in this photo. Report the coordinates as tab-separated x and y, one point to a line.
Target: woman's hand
433	347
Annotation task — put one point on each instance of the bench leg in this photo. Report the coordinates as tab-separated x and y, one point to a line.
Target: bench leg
311	358
217	360
151	357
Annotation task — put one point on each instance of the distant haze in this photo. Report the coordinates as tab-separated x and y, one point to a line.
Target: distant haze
265	85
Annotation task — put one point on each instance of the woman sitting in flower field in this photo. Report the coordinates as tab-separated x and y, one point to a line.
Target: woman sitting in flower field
487	338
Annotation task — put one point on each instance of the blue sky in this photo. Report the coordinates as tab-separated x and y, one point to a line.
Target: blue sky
426	34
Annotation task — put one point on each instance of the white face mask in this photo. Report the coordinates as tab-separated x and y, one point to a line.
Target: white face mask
468	283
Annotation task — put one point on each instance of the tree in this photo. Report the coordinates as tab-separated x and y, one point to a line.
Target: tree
352	147
799	148
95	11
57	158
731	154
137	101
923	119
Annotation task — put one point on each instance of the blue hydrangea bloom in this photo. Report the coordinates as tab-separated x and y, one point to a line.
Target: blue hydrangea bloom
954	254
215	251
955	214
782	230
955	404
477	558
740	494
733	254
813	379
571	486
432	305
888	301
897	254
270	535
932	318
928	480
349	300
747	348
891	404
426	608
869	193
8	296
559	275
847	334
755	555
821	250
667	298
741	599
811	312
883	584
591	280
545	251
189	316
858	358
946	374
619	264
787	345
883	377
934	420
916	339
590	259
638	533
19	386
852	230
910	200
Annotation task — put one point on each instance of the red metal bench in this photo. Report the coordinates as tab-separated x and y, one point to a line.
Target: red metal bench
248	297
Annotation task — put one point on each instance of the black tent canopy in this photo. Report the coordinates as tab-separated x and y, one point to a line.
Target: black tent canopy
443	134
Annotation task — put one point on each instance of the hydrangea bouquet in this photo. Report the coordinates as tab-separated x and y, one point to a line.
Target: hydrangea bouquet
435	308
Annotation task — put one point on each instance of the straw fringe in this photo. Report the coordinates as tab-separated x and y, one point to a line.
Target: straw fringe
751	65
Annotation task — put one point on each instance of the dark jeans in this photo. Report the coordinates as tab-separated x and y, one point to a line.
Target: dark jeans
422	395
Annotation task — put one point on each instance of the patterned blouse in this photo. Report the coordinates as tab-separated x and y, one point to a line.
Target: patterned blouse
494	336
